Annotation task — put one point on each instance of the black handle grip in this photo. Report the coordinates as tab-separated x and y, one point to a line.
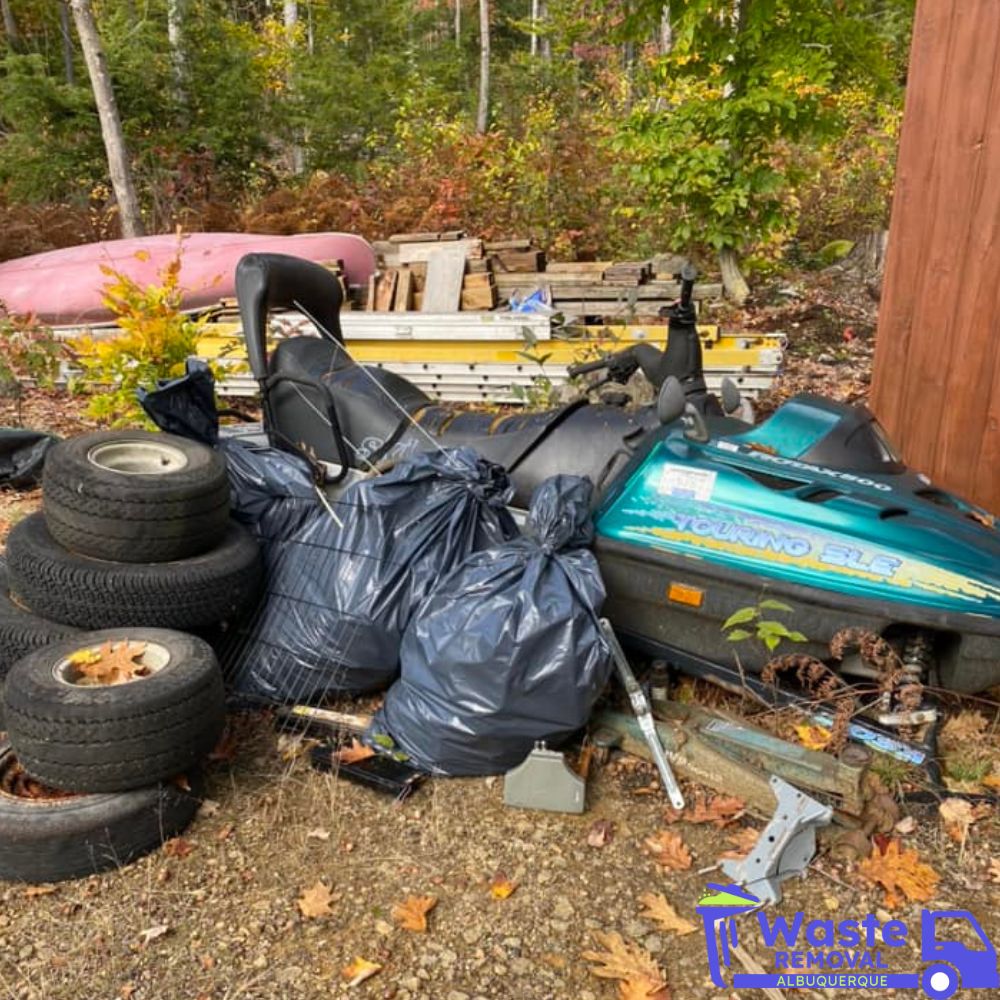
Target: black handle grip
583	367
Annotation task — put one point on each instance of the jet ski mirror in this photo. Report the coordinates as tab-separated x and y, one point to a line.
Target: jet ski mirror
672	404
670	401
730	397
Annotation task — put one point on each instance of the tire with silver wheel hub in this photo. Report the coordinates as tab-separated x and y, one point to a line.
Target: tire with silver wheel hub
135	496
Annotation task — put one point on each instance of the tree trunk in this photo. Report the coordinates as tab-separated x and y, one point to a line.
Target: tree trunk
458	22
10	25
666	31
111	125
67	42
291	16
175	39
483	112
545	43
534	26
732	277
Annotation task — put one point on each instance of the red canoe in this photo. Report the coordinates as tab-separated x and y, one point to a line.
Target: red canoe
63	287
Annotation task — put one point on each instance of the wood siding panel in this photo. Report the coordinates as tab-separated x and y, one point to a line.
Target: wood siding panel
937	361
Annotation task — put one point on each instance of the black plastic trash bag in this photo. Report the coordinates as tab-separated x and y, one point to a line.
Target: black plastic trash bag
344	580
508	648
186	405
22	455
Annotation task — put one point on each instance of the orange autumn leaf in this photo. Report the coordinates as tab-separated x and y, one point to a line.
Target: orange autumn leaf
353	754
359	970
994	870
813	737
743	842
315	901
411	914
640	978
501	887
720	810
177	847
900	873
659	910
668	849
113	663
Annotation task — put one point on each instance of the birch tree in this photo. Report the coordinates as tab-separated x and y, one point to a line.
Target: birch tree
483	111
111	125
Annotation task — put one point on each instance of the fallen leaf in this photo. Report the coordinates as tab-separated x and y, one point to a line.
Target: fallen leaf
831	903
962	730
318	834
226	832
315	902
208	808
659	910
127	991
744	840
994	870
601	833
640	978
411	914
224	752
992	780
668	849
906	826
40	890
958	817
383	927
900	872
813	737
356	752
359	970
501	887
720	810
152	933
113	663
177	847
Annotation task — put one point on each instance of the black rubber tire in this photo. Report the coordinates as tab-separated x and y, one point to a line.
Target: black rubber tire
135	517
52	840
112	738
21	632
207	589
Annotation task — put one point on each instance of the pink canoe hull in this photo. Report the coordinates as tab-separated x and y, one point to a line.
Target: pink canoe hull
63	287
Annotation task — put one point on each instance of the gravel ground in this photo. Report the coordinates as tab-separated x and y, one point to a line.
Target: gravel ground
225	902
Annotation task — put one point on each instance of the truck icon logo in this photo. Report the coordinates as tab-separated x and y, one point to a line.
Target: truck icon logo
851	954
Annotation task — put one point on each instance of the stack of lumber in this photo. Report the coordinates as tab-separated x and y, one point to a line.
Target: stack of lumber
448	271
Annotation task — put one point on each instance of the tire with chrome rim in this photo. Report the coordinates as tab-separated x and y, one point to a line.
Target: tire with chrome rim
48	835
113	710
135	496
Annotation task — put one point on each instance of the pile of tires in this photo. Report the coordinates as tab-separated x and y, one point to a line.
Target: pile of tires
101	766
107	703
134	530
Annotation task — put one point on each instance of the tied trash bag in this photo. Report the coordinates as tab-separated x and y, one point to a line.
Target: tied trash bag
22	455
344	580
508	648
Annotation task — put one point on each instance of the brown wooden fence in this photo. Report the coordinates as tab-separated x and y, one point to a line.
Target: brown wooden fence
937	361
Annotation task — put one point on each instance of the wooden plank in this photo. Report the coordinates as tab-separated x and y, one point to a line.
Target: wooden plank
385	290
428	237
478	265
404	291
515	244
410	253
479	297
484	280
589	267
445	273
518	260
372	285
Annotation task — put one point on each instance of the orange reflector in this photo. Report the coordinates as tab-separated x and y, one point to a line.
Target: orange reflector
683	594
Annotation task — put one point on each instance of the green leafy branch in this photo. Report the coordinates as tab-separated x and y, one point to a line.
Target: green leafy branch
750	623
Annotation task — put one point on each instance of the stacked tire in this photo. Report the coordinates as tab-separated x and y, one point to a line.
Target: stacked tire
106	726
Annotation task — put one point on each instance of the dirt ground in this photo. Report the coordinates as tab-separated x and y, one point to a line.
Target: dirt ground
215	915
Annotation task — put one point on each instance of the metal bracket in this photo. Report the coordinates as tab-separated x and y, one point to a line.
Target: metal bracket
543	780
786	846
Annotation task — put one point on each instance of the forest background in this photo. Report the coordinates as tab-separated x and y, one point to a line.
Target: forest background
756	131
